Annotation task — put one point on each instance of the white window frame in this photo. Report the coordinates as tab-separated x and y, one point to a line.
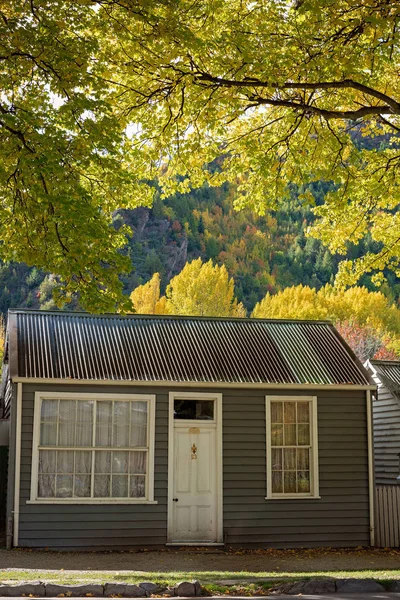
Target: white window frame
314	474
151	404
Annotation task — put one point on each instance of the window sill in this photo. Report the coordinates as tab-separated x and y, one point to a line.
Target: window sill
90	501
294	497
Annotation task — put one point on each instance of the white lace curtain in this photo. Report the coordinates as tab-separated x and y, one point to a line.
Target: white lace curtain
291	447
104	470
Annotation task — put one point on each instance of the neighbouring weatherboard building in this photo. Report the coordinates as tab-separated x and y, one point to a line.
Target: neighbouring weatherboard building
386	420
142	431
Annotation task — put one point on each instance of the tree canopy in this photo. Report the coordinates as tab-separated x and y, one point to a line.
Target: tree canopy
100	97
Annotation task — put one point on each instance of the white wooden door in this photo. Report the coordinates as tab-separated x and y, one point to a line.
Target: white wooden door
194	501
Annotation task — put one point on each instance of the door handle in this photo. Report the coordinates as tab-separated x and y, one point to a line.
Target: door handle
174	499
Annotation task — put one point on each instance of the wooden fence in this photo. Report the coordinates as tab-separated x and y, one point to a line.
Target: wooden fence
387	516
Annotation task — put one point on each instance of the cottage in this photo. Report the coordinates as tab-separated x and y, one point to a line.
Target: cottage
145	431
386	420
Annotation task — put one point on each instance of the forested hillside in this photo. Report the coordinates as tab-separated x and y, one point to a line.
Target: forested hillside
262	254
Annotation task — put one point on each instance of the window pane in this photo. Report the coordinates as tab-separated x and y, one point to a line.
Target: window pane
137	463
289	459
137	486
47	486
138	424
47	461
276	412
303	482
277	435
120	462
102	462
277	485
49	411
84	424
64	486
303	459
119	488
83	461
289	482
102	486
289	412
277	459
103	423
65	461
121	424
304	435
194	409
82	486
48	434
303	412
289	435
48	426
67	420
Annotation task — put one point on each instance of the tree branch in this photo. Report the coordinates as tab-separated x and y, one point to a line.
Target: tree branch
392	106
307	109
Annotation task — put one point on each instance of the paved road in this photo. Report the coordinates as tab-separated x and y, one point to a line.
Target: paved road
337	596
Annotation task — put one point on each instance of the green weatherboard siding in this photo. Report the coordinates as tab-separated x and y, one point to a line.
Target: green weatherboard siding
339	518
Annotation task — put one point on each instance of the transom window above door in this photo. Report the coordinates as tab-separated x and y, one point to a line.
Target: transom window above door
194	409
93	448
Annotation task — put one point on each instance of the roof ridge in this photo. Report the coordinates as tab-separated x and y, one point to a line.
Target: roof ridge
384	362
83	314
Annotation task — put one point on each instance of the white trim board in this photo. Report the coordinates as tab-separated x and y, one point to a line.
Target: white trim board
371	477
17	475
195	384
171	430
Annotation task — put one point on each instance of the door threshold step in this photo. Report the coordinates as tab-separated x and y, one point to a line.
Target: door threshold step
196	544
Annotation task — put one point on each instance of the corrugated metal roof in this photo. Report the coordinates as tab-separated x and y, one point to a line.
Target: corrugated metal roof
388	371
59	345
388	368
5	393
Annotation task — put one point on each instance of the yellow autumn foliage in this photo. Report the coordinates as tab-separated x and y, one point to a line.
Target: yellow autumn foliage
203	289
146	298
355	305
200	289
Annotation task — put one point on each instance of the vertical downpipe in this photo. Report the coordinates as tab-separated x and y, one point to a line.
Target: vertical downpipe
371	485
9	533
17	476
